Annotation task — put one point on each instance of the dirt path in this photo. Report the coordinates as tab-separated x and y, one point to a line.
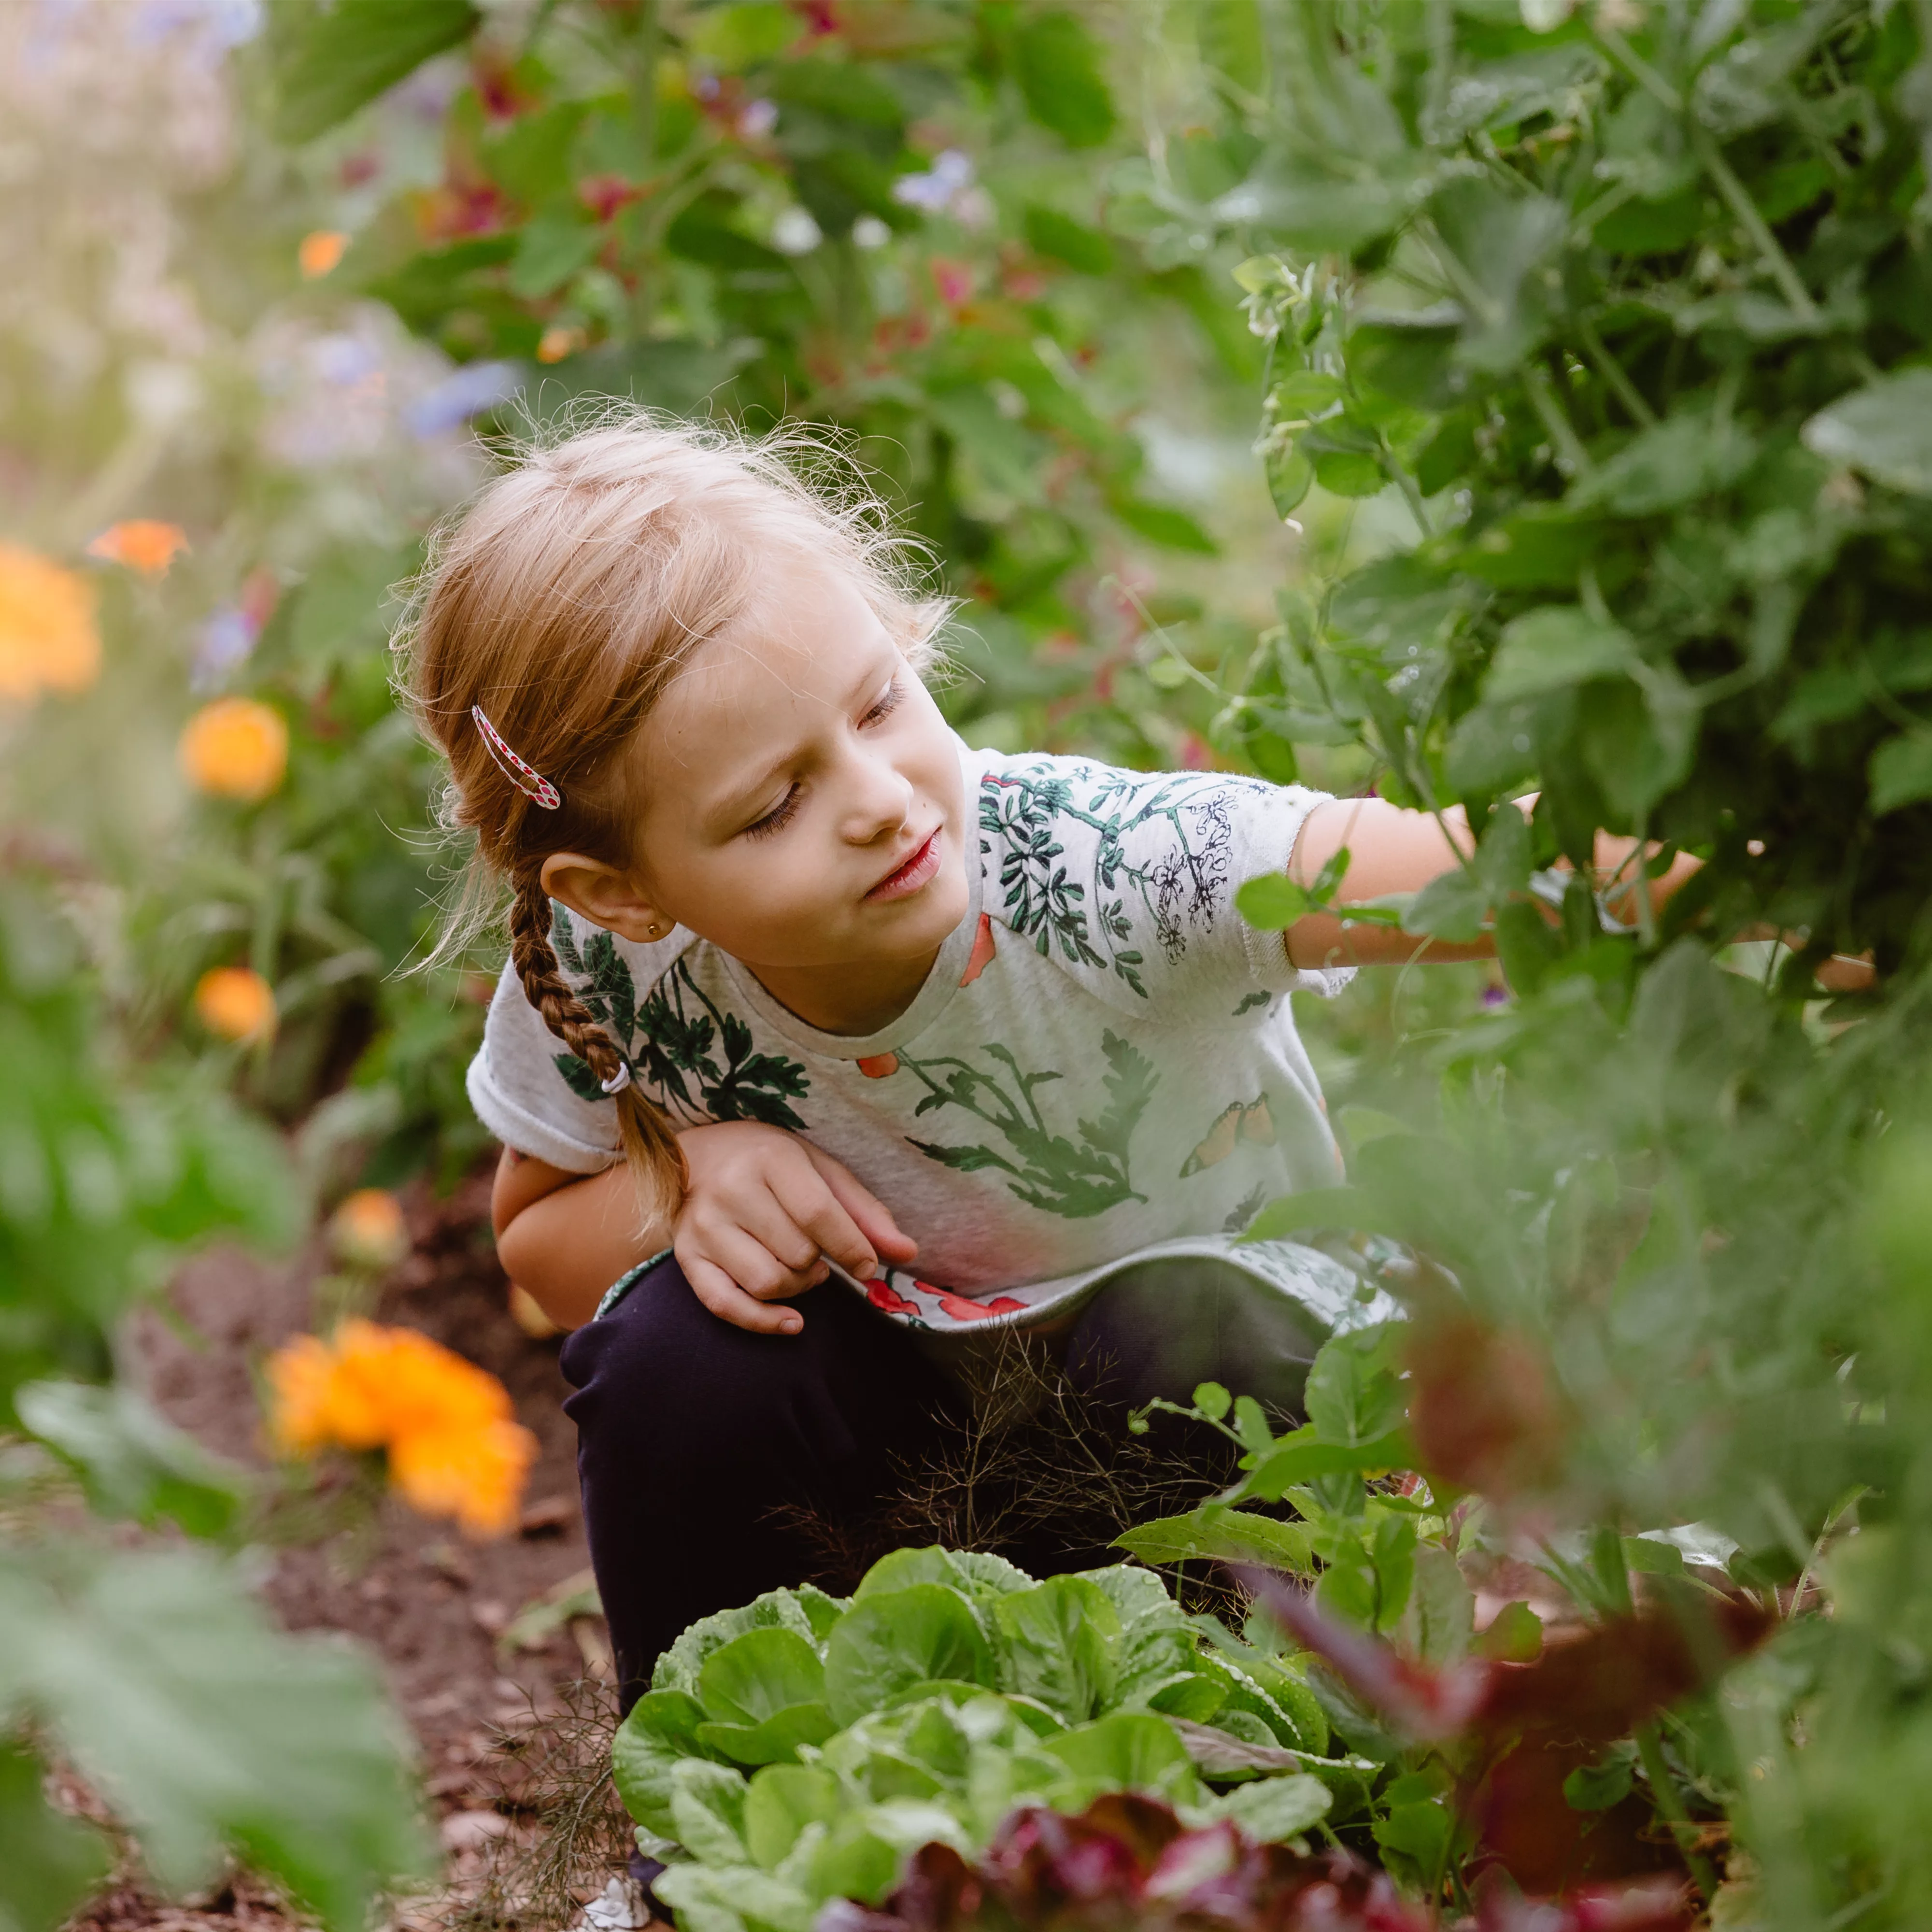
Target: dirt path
432	1607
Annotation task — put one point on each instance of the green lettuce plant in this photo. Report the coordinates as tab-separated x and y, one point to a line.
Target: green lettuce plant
799	1749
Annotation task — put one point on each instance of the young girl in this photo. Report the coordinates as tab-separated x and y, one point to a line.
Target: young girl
802	991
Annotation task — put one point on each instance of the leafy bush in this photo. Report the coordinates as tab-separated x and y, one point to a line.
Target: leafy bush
1631	307
151	1672
798	1749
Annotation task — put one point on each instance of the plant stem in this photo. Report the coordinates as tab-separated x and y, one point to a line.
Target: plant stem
1664	1793
1570	454
1613	372
1750	218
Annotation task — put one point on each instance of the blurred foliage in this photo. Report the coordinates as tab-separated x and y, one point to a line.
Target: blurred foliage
150	1672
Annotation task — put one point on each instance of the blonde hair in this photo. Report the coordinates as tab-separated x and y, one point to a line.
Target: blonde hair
562	601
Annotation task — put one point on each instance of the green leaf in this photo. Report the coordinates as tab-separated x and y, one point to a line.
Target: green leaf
1420	1830
1212	1400
1900	771
1274	902
757	1675
1347	472
887	1642
1352	1396
1290	476
1884	430
781	1801
1057	63
707	1809
1132	1750
1251	1425
1272	1809
1312	1208
1059	1644
659	1733
772	1740
550	249
1059	237
170	1689
1596	1787
1162	523
49	1863
134	1463
680	1667
1687	456
732	38
976	1574
1300	1458
330	61
1232	43
1514	1635
1214	1530
1555	646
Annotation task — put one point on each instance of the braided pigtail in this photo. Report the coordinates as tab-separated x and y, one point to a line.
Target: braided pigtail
650	1146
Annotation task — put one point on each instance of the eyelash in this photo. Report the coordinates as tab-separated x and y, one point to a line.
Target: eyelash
781	814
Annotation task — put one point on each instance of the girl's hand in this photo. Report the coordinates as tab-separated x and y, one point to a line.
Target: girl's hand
765	1212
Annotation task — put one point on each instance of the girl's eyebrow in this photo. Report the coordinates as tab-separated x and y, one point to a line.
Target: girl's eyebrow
742	798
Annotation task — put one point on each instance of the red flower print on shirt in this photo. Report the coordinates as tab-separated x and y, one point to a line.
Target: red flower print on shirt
879	1065
963	1308
983	951
883	1296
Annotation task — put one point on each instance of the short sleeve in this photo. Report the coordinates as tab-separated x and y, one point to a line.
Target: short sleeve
1128	879
521	1095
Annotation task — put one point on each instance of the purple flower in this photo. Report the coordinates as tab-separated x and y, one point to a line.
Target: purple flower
225	640
463	393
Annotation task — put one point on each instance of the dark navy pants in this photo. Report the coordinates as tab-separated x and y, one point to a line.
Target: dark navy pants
706	1453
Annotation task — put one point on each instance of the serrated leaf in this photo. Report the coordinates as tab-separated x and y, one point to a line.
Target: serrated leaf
1272	1809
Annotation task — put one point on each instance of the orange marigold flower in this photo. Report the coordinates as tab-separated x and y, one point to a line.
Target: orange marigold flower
474	1475
319	251
48	638
235	1002
367	1229
141	544
454	1446
236	748
558	342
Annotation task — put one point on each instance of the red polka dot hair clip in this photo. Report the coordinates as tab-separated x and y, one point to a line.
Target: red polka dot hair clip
532	784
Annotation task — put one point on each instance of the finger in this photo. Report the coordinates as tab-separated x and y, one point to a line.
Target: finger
872	1217
756	1269
808	1197
730	1303
769	1218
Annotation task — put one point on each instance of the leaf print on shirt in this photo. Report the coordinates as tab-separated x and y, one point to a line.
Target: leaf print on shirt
1181	886
1074	1179
672	1041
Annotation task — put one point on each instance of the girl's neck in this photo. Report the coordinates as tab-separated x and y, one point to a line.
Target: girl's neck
853	998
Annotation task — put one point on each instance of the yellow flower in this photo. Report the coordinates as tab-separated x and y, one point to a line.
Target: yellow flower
558	342
236	1003
319	251
48	638
474	1475
455	1446
367	1229
236	748
142	544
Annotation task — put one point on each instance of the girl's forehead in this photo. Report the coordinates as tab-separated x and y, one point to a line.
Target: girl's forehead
802	642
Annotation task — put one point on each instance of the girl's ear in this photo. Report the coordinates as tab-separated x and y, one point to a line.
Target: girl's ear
605	896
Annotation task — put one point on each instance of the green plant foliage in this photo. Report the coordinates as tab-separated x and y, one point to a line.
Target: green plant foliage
1631	320
151	1672
960	1687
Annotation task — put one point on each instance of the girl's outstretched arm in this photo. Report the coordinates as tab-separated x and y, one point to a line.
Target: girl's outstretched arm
1392	850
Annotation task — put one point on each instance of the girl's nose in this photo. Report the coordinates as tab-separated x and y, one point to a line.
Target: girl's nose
878	800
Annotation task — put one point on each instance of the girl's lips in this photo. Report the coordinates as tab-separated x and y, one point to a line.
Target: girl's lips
912	875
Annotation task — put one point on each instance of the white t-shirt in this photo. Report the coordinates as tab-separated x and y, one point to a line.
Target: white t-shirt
1101	1062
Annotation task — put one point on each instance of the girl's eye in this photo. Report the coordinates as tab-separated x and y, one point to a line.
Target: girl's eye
777	819
888	701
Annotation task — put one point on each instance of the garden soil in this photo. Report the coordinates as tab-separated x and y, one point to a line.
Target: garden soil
436	1609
